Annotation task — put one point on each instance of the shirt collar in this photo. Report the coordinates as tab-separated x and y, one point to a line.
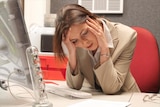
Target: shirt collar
107	34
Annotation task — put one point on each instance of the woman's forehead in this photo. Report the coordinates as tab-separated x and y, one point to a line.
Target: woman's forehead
77	26
76	29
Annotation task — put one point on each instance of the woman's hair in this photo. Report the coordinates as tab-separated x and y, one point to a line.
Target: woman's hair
68	15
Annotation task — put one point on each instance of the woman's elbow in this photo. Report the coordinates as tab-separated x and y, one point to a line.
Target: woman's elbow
110	91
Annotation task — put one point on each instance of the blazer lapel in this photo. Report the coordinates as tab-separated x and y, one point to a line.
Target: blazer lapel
114	34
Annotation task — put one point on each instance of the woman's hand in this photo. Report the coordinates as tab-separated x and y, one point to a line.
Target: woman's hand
71	49
96	28
70	46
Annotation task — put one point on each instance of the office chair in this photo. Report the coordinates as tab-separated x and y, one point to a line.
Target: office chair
145	65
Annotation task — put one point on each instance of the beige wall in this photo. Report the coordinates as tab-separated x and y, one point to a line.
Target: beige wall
34	11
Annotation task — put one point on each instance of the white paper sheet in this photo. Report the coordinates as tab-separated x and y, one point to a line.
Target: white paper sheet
100	103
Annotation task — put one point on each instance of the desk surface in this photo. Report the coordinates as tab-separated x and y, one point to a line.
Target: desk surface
136	99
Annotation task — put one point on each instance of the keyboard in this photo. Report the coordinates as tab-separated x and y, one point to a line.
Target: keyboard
67	92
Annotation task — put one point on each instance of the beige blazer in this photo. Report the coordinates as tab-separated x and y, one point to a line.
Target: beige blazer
114	75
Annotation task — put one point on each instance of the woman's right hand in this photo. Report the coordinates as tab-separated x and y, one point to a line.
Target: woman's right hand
70	46
71	49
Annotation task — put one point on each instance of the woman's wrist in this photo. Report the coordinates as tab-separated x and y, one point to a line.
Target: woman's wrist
104	51
104	55
72	60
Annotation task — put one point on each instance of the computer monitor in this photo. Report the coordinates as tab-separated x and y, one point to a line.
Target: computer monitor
18	59
14	40
42	38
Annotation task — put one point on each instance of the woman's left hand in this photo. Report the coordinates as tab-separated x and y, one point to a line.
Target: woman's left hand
96	28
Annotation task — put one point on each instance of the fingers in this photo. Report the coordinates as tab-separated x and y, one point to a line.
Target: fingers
65	37
96	28
94	25
66	40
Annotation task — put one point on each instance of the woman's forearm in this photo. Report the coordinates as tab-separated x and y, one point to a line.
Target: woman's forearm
72	61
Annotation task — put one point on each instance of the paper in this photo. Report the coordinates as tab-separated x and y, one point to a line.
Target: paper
100	103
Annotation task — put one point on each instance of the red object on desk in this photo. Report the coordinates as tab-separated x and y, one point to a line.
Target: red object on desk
53	68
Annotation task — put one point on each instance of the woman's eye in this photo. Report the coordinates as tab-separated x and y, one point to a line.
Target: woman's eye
74	41
85	33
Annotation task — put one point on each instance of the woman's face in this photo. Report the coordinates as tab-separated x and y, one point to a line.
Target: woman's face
80	36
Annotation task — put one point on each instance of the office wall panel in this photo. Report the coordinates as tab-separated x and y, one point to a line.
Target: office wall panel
144	13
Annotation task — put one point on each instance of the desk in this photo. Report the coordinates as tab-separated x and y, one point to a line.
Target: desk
136	99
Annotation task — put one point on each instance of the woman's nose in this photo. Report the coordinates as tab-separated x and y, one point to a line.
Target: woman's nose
84	42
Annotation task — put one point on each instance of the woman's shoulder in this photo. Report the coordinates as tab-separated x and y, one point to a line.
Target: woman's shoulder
122	30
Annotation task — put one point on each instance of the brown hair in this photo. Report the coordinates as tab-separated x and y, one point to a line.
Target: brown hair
68	15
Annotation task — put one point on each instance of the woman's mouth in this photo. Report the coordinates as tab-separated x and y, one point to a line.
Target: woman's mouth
89	46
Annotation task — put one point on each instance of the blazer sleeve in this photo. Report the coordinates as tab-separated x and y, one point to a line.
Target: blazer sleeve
74	81
111	75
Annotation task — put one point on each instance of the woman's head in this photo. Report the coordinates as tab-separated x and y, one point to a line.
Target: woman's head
68	16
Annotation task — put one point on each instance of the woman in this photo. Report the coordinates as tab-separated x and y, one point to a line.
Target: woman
99	51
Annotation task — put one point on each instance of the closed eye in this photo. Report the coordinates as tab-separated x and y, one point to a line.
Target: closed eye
74	41
84	32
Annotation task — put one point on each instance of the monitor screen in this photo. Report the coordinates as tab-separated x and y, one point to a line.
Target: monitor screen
14	41
46	41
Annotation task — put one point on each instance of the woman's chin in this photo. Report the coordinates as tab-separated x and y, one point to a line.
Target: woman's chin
92	49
